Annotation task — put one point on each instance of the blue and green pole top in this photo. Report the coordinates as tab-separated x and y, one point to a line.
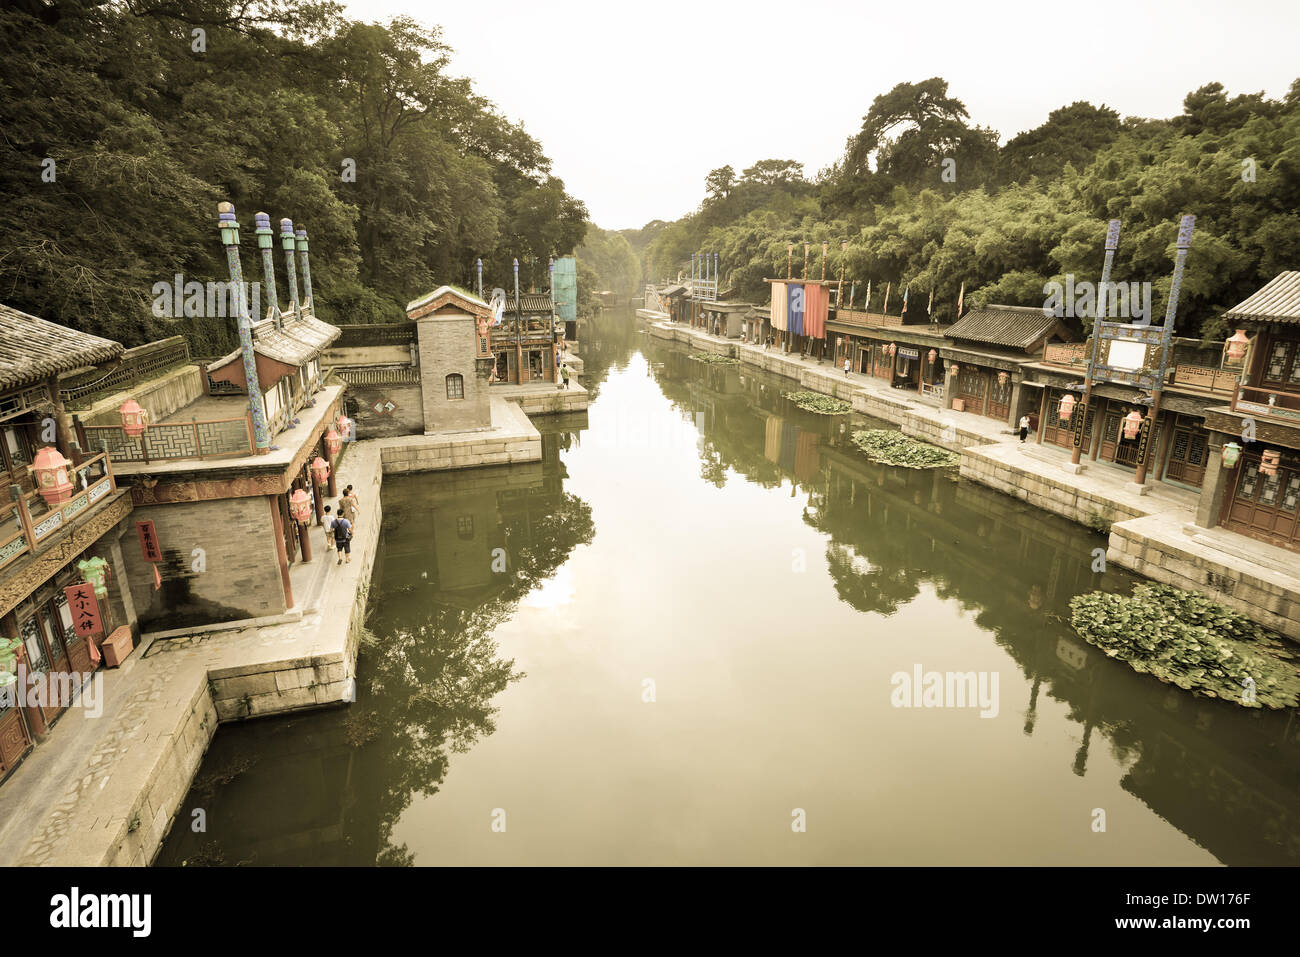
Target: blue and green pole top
227	224
301	234
262	227
286	234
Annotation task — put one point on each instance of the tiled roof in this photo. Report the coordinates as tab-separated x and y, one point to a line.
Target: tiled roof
1278	301
531	303
444	294
296	344
674	290
33	349
1018	327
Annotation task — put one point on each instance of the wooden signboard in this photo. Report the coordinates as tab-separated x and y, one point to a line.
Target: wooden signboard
1144	438
85	609
1078	424
149	546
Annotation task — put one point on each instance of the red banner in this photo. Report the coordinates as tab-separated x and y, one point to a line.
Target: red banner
149	546
85	609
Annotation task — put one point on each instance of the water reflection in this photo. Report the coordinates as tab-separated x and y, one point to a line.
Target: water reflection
772	685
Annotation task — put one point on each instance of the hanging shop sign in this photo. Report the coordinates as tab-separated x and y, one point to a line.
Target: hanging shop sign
1078	425
85	609
907	352
149	546
1144	438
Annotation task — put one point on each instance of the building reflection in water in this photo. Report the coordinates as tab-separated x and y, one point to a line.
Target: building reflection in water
1227	777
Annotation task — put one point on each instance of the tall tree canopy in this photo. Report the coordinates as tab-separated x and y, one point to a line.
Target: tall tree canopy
125	123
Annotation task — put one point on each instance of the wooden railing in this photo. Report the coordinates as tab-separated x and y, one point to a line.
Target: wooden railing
1267	401
858	317
142	362
1074	355
209	439
23	526
375	334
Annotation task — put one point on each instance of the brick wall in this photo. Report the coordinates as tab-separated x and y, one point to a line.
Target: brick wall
406	419
448	344
237	574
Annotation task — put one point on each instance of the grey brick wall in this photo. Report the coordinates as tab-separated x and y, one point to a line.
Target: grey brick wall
448	344
238	575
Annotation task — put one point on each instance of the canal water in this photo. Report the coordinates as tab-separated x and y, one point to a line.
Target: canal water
683	638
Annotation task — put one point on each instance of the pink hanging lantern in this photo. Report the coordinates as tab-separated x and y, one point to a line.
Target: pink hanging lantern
1237	345
51	471
300	506
892	349
134	418
1067	407
1269	461
320	470
333	443
932	355
1003	377
1132	424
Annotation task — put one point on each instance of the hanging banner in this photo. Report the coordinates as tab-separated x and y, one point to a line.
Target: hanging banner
1144	439
85	609
817	304
149	546
795	318
1078	424
780	304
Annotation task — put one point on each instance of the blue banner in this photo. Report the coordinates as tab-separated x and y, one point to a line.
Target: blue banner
795	319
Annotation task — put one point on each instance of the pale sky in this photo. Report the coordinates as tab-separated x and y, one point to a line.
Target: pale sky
635	104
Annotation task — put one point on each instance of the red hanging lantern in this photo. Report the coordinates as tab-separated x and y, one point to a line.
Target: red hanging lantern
932	355
51	471
1269	461
134	419
1132	424
954	368
1237	345
892	349
320	470
1067	407
344	426
300	506
333	443
1003	377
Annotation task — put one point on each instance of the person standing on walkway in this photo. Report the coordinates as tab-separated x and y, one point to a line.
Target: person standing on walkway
349	505
565	373
342	529
326	524
847	365
1024	428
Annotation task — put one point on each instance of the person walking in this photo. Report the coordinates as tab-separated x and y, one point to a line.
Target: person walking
847	365
1024	428
349	505
342	529
565	373
326	522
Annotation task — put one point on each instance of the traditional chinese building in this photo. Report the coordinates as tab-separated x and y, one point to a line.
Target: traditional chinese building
225	480
60	524
454	339
1252	483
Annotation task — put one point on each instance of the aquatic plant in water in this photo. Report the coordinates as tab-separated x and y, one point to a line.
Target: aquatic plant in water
716	359
816	402
895	448
1186	639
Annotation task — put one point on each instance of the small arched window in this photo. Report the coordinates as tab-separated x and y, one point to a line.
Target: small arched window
455	386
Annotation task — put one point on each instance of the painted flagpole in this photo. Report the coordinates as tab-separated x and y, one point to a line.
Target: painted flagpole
1112	243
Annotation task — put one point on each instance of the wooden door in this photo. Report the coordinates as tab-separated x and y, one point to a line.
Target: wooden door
999	398
1265	506
14	739
1189	451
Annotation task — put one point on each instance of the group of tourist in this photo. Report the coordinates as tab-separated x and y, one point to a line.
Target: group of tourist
338	530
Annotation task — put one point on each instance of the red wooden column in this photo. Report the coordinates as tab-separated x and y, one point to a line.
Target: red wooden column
280	551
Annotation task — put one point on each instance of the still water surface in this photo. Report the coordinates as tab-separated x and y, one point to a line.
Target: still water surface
706	595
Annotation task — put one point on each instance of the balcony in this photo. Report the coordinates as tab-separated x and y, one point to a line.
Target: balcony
1267	402
1196	377
164	441
27	523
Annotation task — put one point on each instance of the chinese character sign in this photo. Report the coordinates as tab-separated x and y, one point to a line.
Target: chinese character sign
85	609
149	546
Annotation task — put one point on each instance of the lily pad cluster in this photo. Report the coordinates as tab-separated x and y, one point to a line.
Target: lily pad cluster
816	402
715	359
895	448
1186	639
